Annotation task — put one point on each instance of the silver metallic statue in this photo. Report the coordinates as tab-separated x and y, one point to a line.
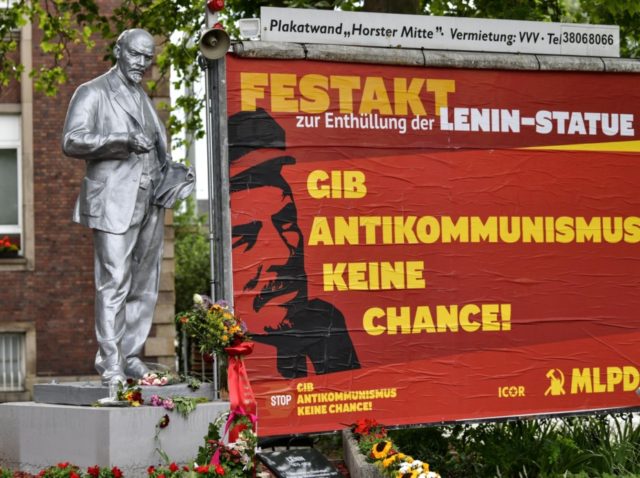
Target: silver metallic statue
129	180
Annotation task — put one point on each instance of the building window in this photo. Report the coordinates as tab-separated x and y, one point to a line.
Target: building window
10	180
12	362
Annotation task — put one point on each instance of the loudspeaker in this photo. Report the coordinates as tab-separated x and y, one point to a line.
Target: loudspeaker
214	43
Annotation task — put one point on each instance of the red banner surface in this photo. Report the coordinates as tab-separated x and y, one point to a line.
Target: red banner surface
422	245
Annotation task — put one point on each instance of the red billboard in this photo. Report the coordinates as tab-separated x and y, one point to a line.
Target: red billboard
422	245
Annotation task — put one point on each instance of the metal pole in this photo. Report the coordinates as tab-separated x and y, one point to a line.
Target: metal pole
218	181
211	129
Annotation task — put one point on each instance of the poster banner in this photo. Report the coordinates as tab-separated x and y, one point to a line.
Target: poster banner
421	245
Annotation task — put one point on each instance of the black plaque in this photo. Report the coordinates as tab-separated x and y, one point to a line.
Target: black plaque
299	463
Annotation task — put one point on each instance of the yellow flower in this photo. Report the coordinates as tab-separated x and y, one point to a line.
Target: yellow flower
135	404
381	449
407	474
425	467
225	338
387	462
227	315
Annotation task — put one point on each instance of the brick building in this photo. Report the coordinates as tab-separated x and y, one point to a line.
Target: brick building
47	292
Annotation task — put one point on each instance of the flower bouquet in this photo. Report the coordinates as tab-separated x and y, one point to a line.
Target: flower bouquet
375	444
130	393
235	459
213	326
69	470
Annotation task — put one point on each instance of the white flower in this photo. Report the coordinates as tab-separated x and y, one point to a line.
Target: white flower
404	467
197	299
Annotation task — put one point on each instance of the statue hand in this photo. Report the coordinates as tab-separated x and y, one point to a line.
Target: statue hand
139	143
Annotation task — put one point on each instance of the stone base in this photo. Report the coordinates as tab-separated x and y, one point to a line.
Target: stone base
88	393
34	436
356	462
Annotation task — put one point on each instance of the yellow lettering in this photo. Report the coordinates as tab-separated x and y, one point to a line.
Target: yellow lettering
401	320
374	97
357	276
458	230
252	87
345	86
423	321
631	378
441	90
283	97
588	231
332	276
581	380
314	187
313	91
367	321
408	97
614	377
320	232
632	230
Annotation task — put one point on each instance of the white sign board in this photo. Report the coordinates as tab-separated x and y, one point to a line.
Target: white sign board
439	33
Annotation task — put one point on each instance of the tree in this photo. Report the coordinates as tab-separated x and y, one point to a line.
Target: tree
69	22
65	22
615	12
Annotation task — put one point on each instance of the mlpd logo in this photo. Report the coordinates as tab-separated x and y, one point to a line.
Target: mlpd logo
556	385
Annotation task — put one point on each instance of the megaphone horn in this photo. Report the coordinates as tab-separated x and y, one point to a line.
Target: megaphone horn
214	43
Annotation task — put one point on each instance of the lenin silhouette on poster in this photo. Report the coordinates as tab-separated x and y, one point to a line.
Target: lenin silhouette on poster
269	240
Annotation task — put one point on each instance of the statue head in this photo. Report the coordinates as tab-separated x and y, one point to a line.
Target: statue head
134	53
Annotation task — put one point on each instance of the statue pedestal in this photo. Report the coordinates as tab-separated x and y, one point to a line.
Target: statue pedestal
36	435
88	393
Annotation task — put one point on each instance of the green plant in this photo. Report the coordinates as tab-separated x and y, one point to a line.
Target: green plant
185	405
7	246
4	473
579	447
192	255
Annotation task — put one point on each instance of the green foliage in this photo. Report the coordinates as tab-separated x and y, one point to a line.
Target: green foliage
213	434
186	405
592	446
192	255
538	10
4	473
625	13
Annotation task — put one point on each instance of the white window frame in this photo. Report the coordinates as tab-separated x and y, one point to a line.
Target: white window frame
9	382
13	141
28	330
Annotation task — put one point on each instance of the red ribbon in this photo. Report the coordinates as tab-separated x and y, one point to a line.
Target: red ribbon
238	412
242	402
